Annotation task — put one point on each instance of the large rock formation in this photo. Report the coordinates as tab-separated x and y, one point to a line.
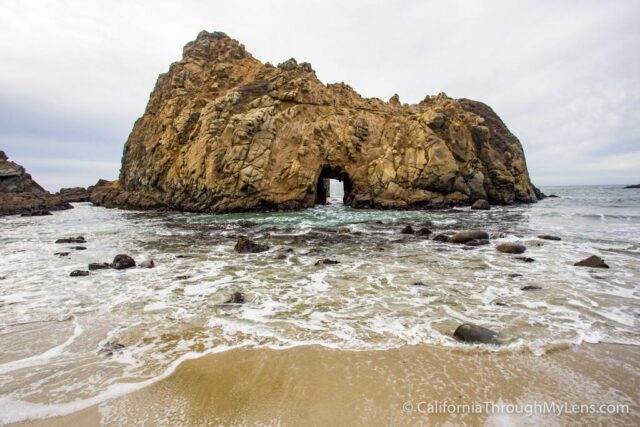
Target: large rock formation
224	132
20	194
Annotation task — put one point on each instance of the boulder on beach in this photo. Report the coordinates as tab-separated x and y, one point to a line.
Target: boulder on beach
481	205
511	248
593	261
122	262
471	333
466	235
246	246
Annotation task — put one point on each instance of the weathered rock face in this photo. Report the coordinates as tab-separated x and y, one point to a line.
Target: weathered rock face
20	194
224	132
74	194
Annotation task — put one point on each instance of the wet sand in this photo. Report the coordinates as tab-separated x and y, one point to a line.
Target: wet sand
313	385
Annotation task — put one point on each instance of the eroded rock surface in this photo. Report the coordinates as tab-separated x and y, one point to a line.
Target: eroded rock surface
224	132
20	194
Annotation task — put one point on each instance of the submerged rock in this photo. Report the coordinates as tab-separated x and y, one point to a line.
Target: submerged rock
477	242
441	237
471	333
481	205
593	261
223	132
407	230
122	262
99	266
79	239
467	235
78	248
109	348
61	254
524	259
246	246
511	248
147	264
424	231
236	298
326	262
282	253
79	273
36	212
530	288
548	237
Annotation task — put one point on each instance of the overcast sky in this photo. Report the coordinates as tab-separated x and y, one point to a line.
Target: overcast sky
564	76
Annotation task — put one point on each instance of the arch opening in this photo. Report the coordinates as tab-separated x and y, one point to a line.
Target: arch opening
323	185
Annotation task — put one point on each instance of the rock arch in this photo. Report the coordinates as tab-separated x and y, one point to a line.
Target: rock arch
224	132
328	172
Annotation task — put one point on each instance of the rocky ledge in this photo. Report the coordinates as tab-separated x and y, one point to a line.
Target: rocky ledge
224	132
20	194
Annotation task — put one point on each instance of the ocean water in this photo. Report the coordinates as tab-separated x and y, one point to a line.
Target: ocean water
68	343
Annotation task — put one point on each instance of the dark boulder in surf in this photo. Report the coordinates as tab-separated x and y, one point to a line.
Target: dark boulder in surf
593	261
471	333
511	248
481	205
246	246
466	235
122	262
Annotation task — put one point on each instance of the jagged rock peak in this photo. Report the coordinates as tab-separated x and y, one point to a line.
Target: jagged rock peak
224	132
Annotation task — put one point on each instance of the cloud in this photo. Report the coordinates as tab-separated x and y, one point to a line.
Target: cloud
565	78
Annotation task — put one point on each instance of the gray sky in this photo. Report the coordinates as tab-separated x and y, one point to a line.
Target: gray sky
563	75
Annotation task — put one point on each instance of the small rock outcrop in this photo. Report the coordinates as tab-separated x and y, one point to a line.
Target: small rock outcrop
122	262
74	195
21	195
468	235
246	246
511	248
471	333
223	132
633	186
593	261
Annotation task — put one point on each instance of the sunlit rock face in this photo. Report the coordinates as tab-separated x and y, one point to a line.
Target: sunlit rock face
224	132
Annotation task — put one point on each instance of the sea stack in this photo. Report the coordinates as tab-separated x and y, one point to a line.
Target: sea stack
223	132
20	194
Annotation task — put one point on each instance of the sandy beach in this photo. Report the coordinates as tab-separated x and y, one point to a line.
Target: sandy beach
313	385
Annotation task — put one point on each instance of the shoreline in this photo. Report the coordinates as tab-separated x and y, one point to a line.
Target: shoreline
319	385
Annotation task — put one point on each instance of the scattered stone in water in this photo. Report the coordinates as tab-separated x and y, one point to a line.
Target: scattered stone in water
481	205
553	196
36	212
282	253
548	237
424	231
419	284
246	246
246	224
185	277
236	298
109	348
511	248
61	254
466	235
501	304
78	248
441	237
98	266
514	275
407	230
471	333
326	262
477	242
593	261
147	264
524	259
79	273
122	262
343	230
530	288
79	239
